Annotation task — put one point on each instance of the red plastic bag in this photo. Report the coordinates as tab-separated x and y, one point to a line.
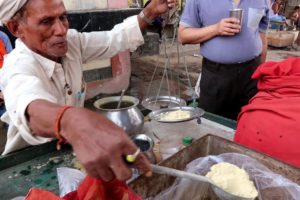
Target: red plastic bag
39	194
90	189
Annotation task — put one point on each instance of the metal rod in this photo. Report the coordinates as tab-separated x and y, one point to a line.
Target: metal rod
121	98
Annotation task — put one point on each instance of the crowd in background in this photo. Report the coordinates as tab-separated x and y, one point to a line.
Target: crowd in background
5	48
291	19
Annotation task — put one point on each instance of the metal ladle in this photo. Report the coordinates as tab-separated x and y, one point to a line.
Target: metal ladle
182	174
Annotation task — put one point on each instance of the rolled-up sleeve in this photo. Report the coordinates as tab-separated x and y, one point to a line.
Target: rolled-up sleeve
106	44
264	23
20	89
191	15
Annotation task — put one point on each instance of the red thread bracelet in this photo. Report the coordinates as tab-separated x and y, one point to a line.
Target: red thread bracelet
60	138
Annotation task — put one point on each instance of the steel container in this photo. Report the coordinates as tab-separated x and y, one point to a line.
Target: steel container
128	117
236	13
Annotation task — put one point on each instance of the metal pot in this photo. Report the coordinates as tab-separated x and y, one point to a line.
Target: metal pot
128	116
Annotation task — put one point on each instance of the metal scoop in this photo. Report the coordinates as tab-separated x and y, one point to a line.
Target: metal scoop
222	194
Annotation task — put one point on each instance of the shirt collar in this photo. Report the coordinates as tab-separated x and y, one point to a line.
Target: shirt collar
47	64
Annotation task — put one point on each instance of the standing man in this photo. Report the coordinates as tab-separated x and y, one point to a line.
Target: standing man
43	85
276	7
294	16
231	50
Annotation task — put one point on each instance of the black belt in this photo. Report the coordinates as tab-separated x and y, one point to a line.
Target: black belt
231	64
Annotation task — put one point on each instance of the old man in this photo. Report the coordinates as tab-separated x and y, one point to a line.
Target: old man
43	84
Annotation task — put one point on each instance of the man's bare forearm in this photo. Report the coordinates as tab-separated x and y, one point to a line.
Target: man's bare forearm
41	116
225	27
196	35
149	14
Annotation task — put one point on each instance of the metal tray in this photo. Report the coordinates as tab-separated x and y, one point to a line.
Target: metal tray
156	103
209	145
194	113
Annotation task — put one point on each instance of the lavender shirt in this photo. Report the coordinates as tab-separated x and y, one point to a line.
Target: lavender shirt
229	49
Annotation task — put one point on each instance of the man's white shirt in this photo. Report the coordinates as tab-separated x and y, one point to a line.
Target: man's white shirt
27	76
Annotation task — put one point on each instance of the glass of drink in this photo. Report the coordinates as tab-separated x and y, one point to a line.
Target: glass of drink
236	13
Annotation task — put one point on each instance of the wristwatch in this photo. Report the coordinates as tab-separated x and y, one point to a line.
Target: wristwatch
145	18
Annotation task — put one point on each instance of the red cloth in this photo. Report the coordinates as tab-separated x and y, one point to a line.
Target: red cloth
90	189
2	52
270	123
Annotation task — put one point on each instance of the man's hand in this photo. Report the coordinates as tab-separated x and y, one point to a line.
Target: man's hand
100	145
228	27
161	6
154	9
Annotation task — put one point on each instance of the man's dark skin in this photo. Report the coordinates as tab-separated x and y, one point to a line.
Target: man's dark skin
98	143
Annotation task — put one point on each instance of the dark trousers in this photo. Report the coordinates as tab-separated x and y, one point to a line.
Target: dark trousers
225	88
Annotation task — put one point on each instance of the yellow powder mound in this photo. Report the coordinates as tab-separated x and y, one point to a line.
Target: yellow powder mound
175	115
232	179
